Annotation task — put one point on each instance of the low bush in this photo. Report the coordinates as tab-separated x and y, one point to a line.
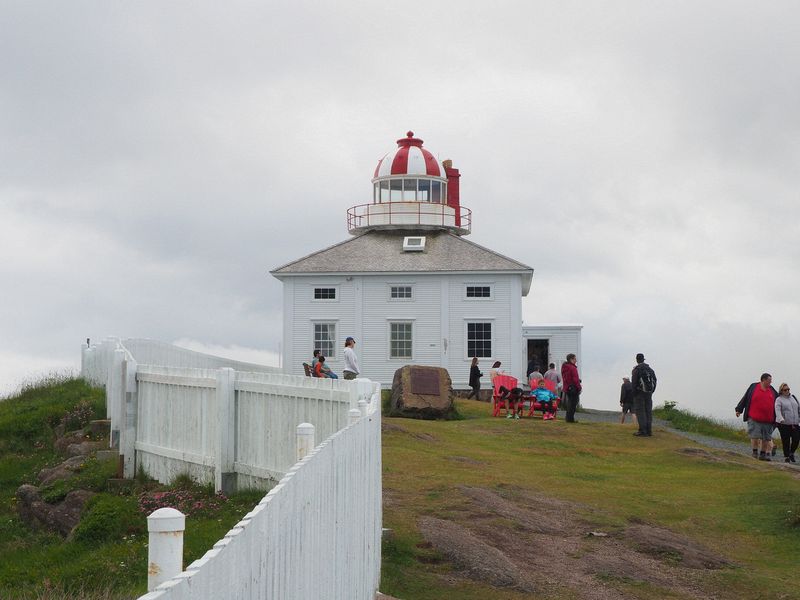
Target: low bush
109	518
685	420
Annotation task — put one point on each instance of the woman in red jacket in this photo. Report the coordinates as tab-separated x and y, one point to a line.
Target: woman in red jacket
572	386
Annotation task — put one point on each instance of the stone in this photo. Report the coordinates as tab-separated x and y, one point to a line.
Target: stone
62	443
99	428
66	470
61	517
84	448
420	392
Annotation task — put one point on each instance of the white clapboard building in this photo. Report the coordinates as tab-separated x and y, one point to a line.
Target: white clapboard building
410	288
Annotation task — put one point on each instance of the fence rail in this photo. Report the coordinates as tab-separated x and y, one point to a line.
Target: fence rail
237	428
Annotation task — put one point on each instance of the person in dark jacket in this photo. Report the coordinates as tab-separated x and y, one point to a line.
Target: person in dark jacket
572	386
626	400
642	397
475	380
758	407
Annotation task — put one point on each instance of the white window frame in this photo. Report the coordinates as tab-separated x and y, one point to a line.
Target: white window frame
334	341
492	339
389	287
488	298
389	323
334	287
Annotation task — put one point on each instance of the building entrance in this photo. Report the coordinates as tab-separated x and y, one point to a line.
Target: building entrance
539	353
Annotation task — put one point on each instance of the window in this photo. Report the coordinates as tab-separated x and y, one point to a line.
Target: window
396	188
436	191
424	191
409	190
479	340
321	293
479	291
400	340
400	292
325	339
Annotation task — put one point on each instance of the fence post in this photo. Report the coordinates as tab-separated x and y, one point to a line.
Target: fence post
362	407
115	396
224	475
305	440
165	547
128	437
84	368
353	415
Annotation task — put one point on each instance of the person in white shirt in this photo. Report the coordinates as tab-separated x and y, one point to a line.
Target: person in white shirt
350	370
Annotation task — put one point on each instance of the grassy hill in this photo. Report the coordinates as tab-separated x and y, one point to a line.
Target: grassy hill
107	556
480	508
504	509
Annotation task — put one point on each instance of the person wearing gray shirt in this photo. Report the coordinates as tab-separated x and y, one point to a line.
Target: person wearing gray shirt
787	416
350	370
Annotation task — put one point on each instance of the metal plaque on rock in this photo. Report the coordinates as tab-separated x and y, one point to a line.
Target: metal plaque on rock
425	381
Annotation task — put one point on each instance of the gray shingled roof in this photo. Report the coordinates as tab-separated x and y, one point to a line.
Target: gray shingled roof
382	252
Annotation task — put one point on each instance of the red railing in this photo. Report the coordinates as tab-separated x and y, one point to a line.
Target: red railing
411	214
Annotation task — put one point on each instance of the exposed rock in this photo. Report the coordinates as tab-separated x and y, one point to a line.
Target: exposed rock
99	428
65	470
422	393
62	443
61	517
84	448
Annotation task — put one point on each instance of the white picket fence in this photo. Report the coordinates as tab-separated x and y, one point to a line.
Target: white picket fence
316	534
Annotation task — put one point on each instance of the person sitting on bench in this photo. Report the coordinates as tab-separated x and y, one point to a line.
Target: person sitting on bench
513	400
545	399
323	370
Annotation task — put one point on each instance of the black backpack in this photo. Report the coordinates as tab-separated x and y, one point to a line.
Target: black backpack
647	379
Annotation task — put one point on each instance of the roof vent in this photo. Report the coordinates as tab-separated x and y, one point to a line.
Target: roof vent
414	243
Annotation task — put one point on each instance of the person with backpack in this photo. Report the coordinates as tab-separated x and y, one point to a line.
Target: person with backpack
758	407
787	416
643	380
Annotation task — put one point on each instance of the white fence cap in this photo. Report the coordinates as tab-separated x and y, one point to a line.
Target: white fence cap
166	519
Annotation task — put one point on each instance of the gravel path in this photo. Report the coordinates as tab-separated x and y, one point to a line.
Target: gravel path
605	416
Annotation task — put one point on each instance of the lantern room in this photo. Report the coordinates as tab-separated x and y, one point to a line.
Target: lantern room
412	190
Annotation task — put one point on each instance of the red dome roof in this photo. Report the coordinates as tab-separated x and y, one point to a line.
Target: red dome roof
410	158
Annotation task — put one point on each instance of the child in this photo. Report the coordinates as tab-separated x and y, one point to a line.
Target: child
323	370
545	397
513	400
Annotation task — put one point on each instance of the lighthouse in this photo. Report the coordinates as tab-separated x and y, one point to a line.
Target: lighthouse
411	190
408	285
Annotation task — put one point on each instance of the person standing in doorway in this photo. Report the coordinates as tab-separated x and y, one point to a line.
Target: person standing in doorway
643	380
626	400
572	386
758	407
350	370
475	380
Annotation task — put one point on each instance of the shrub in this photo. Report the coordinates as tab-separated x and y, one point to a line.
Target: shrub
109	518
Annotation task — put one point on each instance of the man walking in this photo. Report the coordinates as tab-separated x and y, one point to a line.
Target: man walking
572	386
626	400
758	407
350	370
643	380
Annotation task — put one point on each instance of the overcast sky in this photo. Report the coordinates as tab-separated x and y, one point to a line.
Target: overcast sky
158	159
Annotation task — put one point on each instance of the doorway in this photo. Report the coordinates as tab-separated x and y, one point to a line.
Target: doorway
539	353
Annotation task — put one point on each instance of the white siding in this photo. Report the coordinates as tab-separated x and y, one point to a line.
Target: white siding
439	312
563	340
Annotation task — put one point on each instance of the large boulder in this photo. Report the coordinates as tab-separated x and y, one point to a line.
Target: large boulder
66	470
422	393
61	517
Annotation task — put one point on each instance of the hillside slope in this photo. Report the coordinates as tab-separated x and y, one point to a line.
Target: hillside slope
496	508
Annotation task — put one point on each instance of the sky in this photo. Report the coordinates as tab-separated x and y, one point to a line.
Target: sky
158	159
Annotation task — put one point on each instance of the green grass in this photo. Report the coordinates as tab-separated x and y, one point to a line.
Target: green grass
745	512
107	557
685	420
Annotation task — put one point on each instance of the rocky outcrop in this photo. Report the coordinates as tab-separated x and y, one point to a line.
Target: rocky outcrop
422	393
66	470
61	517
